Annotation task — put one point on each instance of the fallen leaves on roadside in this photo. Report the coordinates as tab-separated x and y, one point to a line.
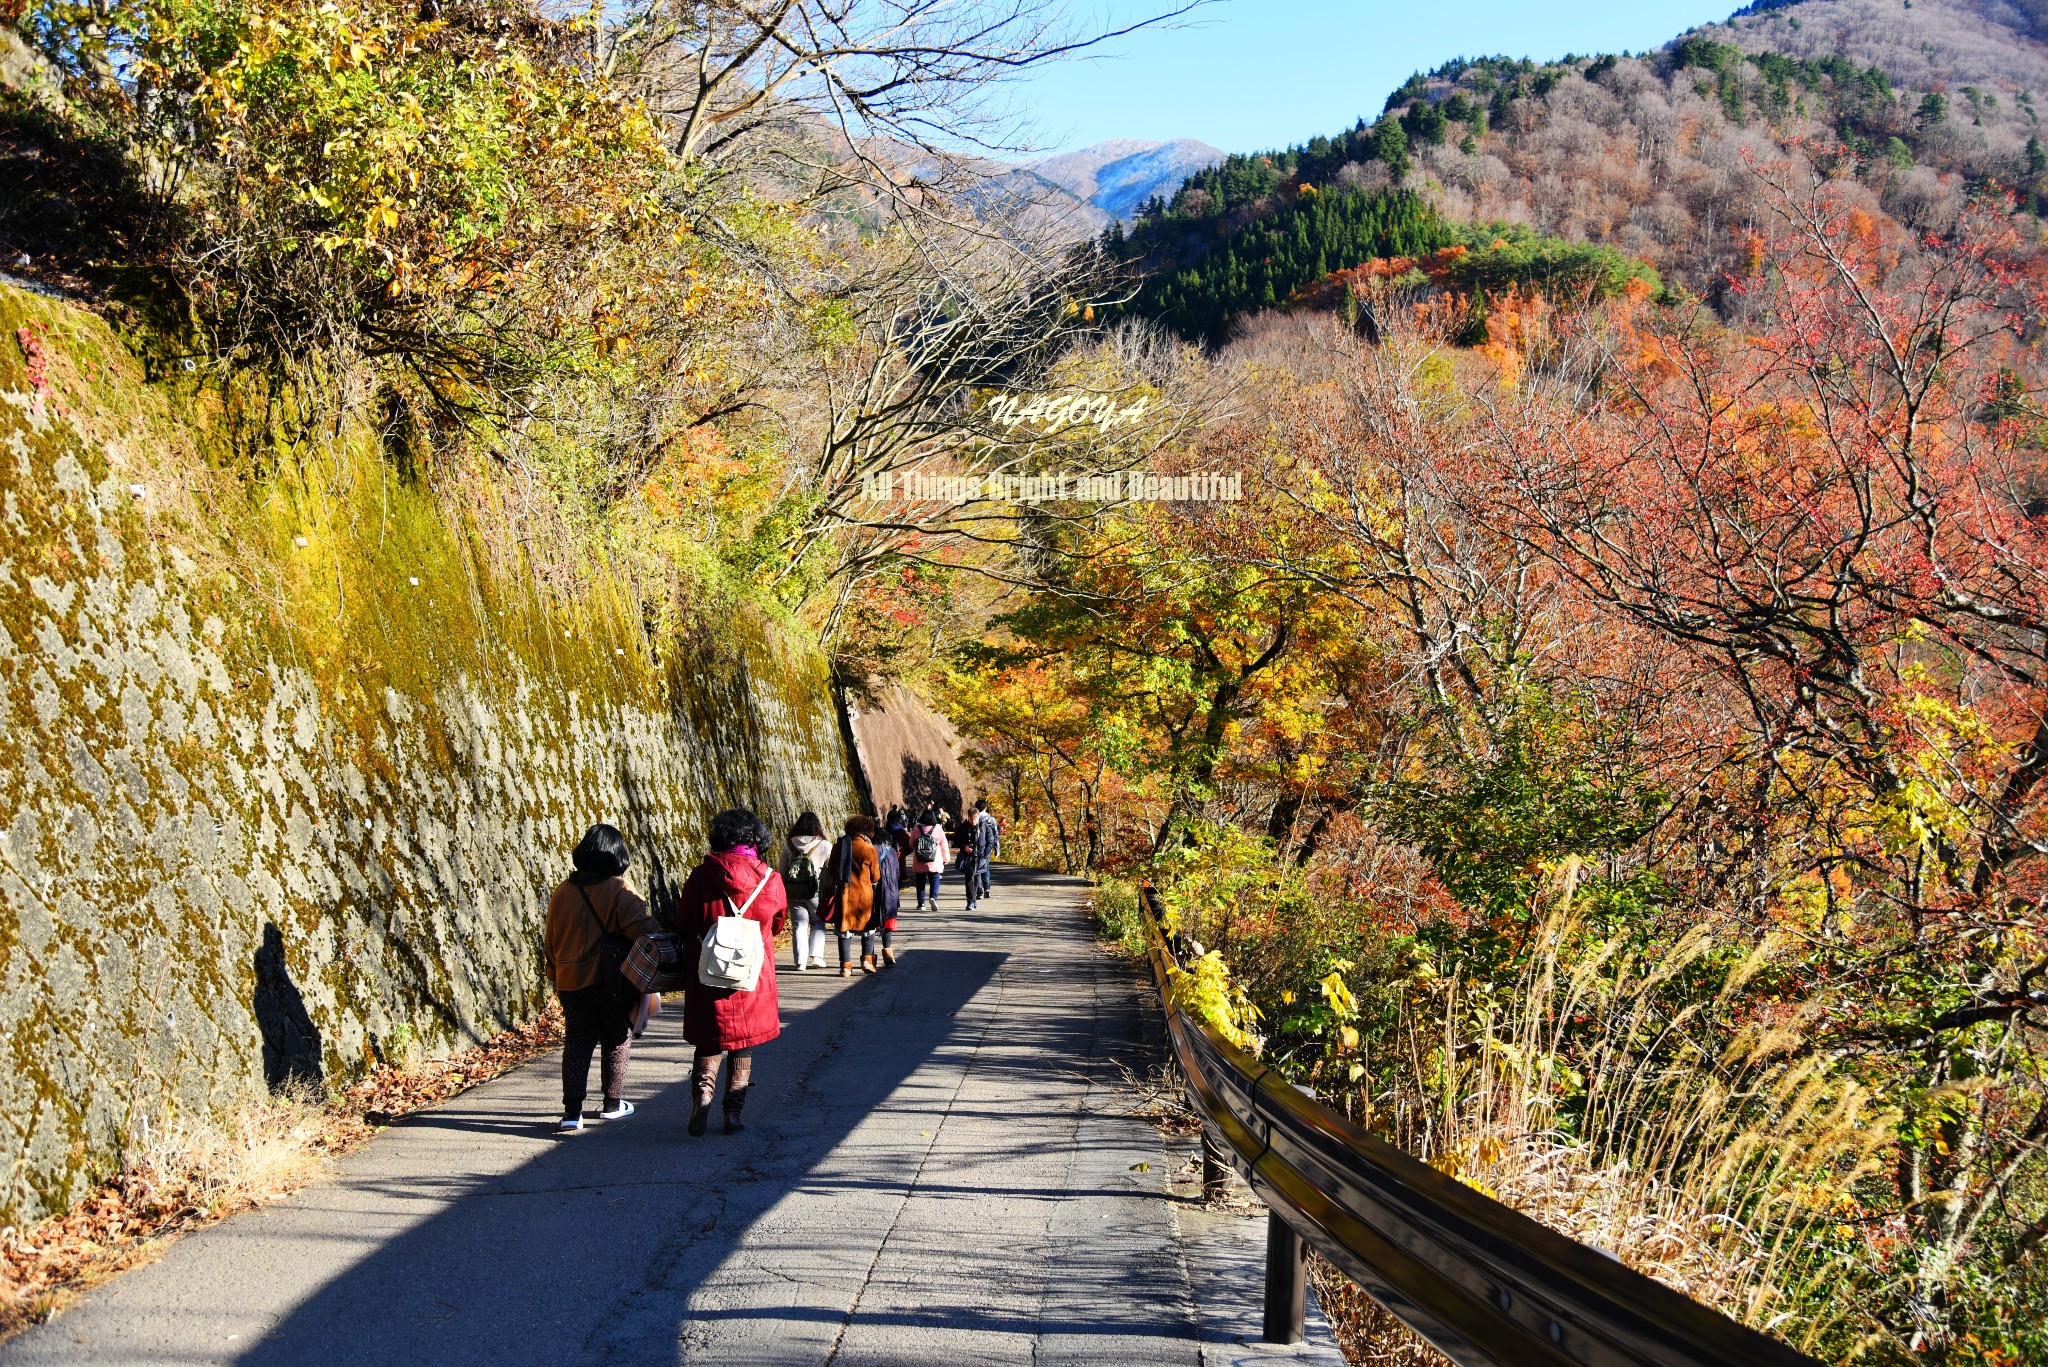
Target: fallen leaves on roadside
190	1179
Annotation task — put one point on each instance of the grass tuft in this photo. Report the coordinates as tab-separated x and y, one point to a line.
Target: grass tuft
1118	917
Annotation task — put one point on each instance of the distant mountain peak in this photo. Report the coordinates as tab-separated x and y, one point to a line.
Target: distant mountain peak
1119	175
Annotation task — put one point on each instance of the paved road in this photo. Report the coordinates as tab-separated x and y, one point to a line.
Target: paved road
940	1168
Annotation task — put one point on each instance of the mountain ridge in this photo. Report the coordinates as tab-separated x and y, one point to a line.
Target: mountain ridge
1913	111
1118	176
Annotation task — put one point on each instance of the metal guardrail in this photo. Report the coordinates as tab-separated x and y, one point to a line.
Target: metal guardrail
1485	1284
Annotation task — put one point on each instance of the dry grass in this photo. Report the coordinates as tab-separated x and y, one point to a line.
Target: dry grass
179	1178
1685	1129
1703	1147
1368	1335
194	1172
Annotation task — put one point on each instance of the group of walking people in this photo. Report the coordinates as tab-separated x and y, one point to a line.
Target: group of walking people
866	869
928	848
851	886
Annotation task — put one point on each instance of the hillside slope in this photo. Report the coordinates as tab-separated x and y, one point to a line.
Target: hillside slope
292	763
1652	156
1117	177
1946	44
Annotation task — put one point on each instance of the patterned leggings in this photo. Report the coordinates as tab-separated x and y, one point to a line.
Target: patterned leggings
588	1021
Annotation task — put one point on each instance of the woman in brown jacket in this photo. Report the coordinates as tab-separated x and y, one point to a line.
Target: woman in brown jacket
849	892
591	903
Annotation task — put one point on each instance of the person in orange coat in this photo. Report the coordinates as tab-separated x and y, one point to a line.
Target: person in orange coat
849	892
723	1022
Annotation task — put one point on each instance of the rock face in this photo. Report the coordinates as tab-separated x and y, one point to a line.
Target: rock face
910	754
1118	176
260	832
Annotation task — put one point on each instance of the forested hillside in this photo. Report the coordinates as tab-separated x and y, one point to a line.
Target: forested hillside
1647	156
1993	45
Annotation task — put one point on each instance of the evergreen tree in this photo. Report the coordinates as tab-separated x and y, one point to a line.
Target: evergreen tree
1424	122
1392	147
1293	247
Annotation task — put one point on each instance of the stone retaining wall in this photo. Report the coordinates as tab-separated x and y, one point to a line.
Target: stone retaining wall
231	855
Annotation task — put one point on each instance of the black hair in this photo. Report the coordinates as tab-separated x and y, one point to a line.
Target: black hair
808	824
735	827
601	854
981	804
930	817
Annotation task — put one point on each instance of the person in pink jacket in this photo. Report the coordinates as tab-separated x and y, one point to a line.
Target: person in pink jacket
929	851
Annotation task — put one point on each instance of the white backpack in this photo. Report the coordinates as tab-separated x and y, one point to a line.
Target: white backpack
734	948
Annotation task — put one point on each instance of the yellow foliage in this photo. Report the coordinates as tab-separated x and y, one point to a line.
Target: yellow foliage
1203	987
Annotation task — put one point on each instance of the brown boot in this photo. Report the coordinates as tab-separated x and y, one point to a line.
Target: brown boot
846	970
867	963
737	1083
888	958
704	1082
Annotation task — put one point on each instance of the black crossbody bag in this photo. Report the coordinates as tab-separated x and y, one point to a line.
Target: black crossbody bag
612	949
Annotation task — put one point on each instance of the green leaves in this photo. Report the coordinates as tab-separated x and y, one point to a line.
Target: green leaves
1503	255
1295	245
1551	785
361	178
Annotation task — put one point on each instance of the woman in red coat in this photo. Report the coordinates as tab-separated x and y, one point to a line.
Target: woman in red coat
723	1021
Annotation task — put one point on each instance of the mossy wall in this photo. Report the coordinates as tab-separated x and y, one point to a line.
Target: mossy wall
291	768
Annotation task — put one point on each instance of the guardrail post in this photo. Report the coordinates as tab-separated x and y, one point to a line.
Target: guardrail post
1286	1282
1215	1172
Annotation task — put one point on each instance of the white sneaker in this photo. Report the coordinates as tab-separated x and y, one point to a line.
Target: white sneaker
618	1111
570	1124
803	968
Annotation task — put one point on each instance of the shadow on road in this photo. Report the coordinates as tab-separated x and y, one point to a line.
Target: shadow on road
603	1236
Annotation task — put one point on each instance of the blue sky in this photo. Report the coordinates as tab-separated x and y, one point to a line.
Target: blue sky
1254	74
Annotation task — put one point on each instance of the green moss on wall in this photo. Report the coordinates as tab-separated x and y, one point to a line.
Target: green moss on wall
299	752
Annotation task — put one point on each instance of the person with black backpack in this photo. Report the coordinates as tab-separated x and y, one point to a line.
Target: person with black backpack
593	920
804	855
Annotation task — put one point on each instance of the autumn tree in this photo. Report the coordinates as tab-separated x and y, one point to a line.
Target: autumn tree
1842	532
884	95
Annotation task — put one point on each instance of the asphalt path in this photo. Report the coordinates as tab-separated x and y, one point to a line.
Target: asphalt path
944	1164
